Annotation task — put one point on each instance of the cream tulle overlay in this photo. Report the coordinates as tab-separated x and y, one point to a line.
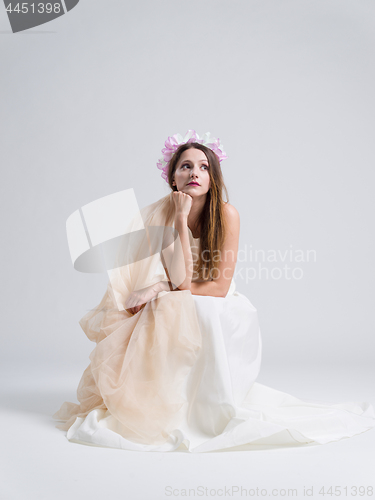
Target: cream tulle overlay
181	373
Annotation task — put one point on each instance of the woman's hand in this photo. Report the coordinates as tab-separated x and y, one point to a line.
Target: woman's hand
138	299
183	203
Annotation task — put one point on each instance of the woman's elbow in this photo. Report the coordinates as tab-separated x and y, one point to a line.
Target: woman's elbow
185	285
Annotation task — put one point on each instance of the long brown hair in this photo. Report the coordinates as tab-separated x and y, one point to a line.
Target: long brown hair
212	224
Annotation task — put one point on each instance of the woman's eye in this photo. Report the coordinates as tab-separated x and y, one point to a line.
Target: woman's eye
186	165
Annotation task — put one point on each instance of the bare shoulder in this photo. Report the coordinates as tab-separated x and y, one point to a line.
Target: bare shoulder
231	214
232	218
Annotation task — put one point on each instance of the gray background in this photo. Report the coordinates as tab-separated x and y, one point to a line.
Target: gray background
87	103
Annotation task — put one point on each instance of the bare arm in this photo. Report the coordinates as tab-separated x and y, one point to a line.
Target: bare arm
182	228
183	203
211	288
219	287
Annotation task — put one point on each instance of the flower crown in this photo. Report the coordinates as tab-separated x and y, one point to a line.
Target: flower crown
172	143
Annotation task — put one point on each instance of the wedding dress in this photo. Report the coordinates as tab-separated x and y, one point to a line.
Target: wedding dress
181	374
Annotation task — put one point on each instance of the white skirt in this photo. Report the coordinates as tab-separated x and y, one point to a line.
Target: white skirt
221	404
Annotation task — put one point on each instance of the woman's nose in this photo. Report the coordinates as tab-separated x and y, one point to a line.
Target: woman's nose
194	172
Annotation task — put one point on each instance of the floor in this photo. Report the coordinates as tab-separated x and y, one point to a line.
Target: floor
39	463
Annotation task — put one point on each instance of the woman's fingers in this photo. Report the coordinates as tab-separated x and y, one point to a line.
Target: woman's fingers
132	307
134	310
138	299
132	300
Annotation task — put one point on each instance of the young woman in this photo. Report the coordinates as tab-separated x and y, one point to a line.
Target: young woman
197	184
178	348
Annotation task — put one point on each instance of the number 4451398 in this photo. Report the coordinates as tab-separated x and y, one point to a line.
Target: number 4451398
351	491
40	8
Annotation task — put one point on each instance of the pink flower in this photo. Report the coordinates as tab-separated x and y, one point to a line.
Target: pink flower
174	141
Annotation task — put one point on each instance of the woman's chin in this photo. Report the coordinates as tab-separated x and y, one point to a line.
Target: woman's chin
194	191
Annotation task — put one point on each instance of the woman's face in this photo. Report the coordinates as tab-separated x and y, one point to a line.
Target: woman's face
192	167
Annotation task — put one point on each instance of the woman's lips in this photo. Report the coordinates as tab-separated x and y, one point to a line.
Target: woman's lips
193	184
